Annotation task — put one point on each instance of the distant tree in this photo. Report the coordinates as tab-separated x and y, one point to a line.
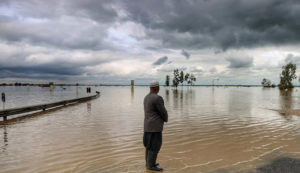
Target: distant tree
181	77
266	82
167	80
187	76
192	79
176	78
287	75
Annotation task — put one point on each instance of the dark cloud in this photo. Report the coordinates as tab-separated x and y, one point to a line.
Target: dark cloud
138	27
29	65
240	62
55	69
103	12
66	24
160	61
176	24
46	34
185	54
224	24
11	74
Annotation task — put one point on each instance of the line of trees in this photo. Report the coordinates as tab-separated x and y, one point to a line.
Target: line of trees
287	75
180	78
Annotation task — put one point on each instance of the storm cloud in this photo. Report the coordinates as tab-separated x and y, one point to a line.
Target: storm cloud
185	54
223	24
187	24
76	38
238	62
160	61
54	69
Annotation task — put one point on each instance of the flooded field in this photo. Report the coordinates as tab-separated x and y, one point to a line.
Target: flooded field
210	129
18	96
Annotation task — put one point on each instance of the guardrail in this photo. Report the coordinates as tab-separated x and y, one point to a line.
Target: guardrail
13	111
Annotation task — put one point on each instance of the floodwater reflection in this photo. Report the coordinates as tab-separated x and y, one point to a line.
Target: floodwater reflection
240	102
167	95
286	99
5	138
209	130
89	107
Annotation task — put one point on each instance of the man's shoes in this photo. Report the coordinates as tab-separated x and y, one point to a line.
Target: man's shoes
156	169
156	164
151	161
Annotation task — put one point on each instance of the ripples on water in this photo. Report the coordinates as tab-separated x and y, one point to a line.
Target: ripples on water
209	130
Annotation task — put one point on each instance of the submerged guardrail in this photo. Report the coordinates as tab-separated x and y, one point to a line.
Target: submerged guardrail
13	111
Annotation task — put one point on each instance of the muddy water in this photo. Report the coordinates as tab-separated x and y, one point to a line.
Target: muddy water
209	130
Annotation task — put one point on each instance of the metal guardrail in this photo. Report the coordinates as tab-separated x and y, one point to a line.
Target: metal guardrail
13	111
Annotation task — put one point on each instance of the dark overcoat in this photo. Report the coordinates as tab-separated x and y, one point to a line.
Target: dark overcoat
155	113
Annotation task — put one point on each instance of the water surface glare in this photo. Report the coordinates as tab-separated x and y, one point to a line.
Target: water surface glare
220	129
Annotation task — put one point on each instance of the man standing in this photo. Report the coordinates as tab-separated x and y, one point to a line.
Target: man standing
155	116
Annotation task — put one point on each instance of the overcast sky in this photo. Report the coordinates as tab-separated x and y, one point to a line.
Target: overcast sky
112	42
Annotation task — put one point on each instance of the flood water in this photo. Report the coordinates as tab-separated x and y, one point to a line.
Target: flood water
210	129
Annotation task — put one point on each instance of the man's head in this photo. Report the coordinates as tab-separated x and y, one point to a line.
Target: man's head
154	86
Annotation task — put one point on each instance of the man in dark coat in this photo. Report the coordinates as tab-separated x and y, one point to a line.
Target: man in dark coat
155	116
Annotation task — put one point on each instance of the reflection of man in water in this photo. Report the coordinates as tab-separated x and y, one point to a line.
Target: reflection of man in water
155	116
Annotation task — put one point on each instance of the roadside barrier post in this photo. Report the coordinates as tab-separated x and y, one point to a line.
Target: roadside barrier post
3	103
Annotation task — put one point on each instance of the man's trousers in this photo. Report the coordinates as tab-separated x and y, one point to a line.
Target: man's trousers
152	141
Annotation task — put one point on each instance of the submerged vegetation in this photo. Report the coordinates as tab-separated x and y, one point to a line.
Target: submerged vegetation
267	83
167	80
287	75
176	78
180	78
